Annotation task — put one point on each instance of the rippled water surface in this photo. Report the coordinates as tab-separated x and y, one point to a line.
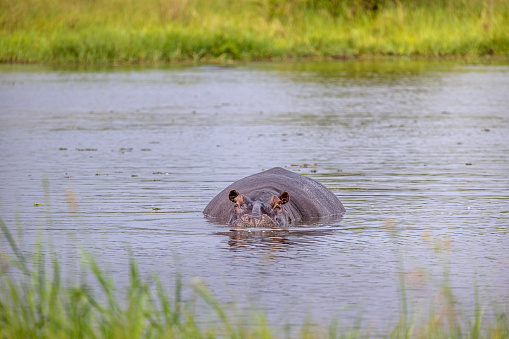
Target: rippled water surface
123	161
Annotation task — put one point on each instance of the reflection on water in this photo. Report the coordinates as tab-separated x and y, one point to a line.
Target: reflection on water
274	239
133	155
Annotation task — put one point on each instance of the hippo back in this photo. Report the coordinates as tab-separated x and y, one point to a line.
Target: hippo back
308	198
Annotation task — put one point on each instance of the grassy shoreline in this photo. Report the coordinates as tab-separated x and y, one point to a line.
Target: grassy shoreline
36	302
175	31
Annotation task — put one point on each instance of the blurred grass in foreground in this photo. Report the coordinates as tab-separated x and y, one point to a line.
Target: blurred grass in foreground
162	31
36	303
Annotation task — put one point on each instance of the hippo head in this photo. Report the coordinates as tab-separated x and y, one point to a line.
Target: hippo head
247	212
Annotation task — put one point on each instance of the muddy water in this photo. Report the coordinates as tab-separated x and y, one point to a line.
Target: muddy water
122	161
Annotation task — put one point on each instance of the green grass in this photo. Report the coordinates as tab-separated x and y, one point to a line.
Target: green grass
36	303
163	31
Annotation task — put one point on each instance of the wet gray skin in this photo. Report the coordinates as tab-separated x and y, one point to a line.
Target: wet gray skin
273	198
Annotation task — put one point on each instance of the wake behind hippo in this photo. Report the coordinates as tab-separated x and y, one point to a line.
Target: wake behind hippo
273	198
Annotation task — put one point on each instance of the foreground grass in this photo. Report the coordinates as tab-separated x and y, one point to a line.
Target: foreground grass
162	31
35	303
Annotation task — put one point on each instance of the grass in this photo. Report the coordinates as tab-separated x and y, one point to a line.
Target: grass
165	31
36	303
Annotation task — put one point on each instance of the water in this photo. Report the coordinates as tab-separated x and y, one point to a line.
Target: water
131	156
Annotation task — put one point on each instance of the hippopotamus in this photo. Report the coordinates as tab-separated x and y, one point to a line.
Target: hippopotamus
273	198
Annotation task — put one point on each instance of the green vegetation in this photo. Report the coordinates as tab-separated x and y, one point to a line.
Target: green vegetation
36	303
162	31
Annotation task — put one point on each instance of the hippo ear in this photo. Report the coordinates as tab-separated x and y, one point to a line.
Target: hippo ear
232	195
284	197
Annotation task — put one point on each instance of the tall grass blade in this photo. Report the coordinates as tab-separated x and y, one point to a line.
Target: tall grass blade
205	294
21	262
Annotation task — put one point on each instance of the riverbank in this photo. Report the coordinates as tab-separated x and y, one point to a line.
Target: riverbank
154	31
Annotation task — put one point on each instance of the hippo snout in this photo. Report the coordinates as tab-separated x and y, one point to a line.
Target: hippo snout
264	209
247	221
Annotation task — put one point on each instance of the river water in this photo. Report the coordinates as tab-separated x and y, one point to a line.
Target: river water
120	162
